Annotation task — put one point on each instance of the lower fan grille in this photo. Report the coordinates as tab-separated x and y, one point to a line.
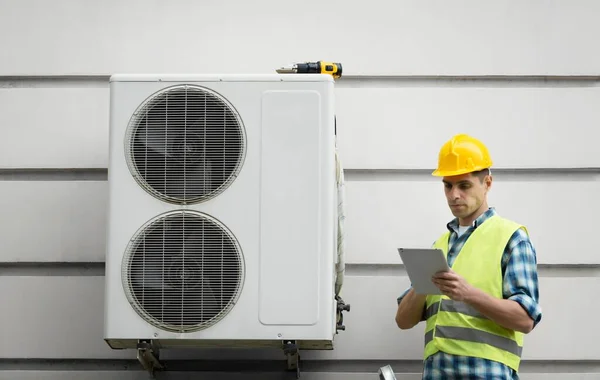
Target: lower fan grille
183	271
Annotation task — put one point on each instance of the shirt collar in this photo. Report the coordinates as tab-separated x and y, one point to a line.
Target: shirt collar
453	224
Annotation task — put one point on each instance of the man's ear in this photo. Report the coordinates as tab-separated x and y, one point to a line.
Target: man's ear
488	182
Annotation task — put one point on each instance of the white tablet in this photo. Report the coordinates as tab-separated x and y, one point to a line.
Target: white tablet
421	264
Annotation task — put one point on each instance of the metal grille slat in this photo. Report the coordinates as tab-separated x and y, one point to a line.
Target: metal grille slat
183	271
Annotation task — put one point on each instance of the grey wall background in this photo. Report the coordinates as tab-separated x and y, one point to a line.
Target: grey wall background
522	76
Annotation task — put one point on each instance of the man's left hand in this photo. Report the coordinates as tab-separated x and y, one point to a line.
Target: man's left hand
453	285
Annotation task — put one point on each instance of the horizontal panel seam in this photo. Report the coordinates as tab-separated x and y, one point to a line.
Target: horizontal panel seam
355	366
346	81
351	269
101	174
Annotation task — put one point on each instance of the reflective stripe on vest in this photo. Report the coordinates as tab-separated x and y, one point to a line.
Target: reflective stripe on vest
456	327
465	333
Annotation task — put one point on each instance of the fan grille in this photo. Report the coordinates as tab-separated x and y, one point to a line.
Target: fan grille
183	271
185	144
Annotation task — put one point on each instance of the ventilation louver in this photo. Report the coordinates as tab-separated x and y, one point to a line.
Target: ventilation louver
183	271
185	144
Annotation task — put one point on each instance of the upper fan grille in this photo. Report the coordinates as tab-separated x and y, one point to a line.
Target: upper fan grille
185	144
182	271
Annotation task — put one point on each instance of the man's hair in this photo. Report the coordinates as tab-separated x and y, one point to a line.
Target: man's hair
481	174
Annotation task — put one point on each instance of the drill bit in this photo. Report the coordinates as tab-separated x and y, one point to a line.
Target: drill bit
292	68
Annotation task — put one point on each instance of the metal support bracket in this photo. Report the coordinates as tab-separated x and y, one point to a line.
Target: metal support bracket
341	307
290	349
148	356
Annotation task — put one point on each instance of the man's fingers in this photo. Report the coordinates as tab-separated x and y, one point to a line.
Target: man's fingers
442	285
447	289
445	275
445	282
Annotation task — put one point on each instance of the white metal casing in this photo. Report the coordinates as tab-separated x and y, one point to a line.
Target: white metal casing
281	209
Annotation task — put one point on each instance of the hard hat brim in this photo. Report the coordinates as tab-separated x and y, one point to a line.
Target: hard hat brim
452	173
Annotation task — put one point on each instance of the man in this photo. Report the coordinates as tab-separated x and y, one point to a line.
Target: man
490	295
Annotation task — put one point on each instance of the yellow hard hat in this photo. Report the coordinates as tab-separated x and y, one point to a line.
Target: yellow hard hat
462	154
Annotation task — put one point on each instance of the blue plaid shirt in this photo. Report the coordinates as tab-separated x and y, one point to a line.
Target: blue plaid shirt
519	269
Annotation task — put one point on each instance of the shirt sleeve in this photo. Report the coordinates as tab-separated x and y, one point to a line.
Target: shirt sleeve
404	294
520	276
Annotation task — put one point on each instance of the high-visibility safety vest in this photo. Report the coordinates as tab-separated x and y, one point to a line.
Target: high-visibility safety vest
456	327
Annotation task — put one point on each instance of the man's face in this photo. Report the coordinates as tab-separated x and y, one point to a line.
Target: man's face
466	193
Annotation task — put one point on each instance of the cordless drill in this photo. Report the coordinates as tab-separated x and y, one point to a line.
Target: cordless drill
320	67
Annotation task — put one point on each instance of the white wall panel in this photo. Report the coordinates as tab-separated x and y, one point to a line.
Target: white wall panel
54	317
53	127
65	221
72	309
466	37
526	127
48	221
379	127
384	215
